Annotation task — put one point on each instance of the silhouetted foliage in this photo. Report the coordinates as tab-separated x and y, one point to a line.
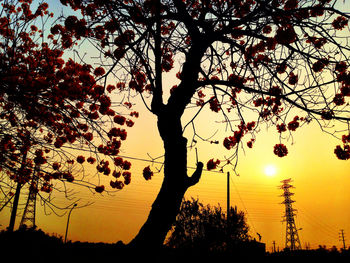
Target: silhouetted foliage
30	244
321	254
34	245
206	227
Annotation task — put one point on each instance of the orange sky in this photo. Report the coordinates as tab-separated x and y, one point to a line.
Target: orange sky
321	190
321	181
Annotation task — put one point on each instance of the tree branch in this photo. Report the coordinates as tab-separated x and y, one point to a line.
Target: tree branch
157	100
194	179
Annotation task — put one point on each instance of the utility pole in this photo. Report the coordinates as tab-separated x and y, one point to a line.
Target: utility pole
342	237
292	236
65	237
228	197
274	246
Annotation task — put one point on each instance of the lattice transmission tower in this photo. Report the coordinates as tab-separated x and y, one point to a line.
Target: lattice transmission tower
28	217
292	236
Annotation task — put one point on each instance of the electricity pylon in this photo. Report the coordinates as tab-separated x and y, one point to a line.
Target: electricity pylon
292	236
342	237
28	217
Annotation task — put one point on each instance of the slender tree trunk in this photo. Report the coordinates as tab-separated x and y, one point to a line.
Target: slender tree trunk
17	194
175	183
14	208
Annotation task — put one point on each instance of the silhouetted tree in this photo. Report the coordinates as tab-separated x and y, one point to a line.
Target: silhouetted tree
282	63
206	228
53	112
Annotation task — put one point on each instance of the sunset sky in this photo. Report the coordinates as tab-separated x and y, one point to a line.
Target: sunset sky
321	182
321	190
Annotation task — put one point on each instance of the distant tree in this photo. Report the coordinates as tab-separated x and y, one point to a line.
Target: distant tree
206	227
283	63
54	114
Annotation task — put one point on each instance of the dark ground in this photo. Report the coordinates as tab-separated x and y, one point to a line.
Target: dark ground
36	246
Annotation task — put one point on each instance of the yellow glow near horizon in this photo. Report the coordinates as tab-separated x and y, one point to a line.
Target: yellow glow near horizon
270	170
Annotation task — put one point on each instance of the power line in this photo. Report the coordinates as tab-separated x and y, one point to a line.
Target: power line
245	209
162	163
315	221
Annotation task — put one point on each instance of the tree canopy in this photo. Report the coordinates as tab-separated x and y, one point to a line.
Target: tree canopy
237	57
54	113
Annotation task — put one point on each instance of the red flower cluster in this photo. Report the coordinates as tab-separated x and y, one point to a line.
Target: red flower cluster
211	164
342	154
214	104
285	35
138	82
250	143
134	114
341	66
291	4
80	159
100	188
281	68
117	132
346	138
99	71
103	167
119	119
200	101
231	141
91	160
280	150
55	166
127	177
147	173
343	77
281	127
256	52
273	105
293	79
250	125
320	64
294	124
68	176
39	158
117	184
340	22
339	99
327	114
317	42
267	29
123	164
167	60
236	81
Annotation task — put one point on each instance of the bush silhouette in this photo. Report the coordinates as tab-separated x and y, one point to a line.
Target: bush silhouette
200	227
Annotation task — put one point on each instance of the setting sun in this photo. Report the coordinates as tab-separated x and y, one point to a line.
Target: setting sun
270	170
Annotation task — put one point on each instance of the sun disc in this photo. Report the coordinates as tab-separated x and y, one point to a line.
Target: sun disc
270	170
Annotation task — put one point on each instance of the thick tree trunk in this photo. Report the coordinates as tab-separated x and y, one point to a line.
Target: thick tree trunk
175	183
